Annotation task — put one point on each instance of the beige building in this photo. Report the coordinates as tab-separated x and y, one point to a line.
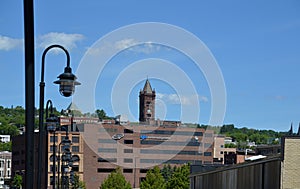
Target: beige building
76	149
219	150
290	177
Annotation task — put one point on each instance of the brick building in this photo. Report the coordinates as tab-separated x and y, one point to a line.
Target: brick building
136	148
140	148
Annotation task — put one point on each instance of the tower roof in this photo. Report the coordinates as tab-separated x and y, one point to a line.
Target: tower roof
147	87
73	106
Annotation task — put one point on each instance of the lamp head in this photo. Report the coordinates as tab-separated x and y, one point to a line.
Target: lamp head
51	123
67	82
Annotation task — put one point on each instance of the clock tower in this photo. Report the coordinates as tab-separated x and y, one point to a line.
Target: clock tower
147	104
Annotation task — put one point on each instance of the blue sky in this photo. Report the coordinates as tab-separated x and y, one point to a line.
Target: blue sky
255	44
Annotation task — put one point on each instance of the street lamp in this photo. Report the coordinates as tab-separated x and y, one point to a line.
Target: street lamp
67	82
66	142
52	122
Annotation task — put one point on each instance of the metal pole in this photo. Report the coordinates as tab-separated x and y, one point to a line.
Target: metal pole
54	163
29	91
43	137
58	165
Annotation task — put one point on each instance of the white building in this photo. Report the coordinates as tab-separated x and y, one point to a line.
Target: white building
4	138
5	168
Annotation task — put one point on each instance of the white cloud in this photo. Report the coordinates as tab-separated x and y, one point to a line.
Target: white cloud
129	44
7	43
181	99
125	43
67	40
136	46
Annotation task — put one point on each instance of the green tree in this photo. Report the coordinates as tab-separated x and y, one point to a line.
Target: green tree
17	181
167	172
115	180
5	146
153	180
180	178
78	183
101	114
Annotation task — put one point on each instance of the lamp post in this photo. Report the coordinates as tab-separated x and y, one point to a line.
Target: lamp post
67	82
67	143
52	123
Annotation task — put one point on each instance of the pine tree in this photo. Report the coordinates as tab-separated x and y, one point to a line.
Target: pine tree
180	178
115	180
154	180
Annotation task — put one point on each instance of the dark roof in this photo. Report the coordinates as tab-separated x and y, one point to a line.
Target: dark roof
147	87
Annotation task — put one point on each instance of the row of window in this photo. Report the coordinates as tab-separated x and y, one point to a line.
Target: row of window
170	143
158	142
152	161
74	168
159	132
156	151
75	139
166	132
74	148
183	152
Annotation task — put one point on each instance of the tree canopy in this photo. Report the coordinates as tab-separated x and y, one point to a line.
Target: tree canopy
115	180
167	178
102	114
153	180
241	135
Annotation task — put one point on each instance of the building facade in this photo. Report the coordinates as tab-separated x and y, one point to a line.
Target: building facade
140	148
5	168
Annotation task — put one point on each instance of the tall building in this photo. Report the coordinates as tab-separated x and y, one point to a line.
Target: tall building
147	104
136	148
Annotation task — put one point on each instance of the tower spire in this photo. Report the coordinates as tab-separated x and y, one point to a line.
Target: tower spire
147	87
147	103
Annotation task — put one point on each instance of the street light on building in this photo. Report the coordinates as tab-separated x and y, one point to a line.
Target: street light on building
67	82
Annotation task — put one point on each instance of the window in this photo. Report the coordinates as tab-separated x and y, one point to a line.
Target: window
107	141
52	138
207	153
128	160
107	150
75	168
144	170
128	150
51	148
128	131
52	168
75	139
102	160
75	148
105	170
128	141
127	170
222	146
221	152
